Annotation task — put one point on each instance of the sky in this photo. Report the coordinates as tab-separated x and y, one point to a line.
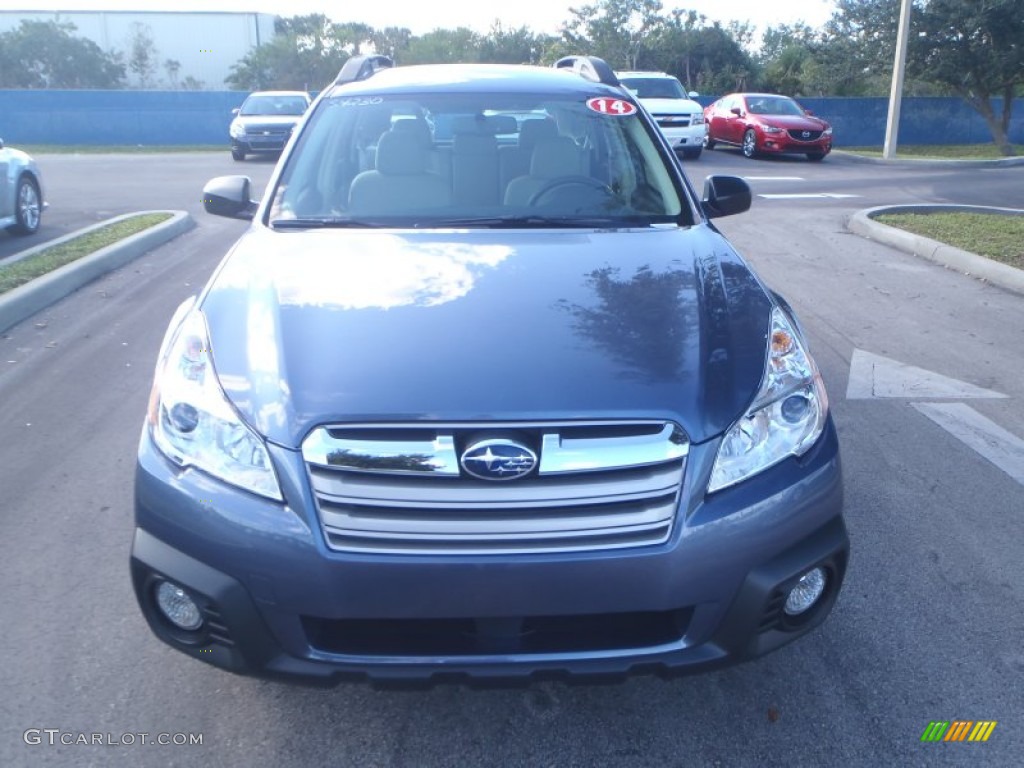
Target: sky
424	15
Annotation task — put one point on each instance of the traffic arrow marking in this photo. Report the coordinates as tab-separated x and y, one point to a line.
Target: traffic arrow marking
1002	448
874	376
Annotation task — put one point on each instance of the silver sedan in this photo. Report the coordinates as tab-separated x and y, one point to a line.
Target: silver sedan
21	192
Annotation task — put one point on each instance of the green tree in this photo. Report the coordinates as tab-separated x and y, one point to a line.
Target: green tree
46	54
787	58
354	38
306	53
705	58
973	48
976	48
172	67
512	46
142	55
619	31
392	41
444	46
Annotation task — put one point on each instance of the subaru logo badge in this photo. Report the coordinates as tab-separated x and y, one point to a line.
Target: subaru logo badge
498	460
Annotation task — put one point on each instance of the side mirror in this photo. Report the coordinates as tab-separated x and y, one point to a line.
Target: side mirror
808	112
229	196
1	143
724	196
235	111
737	111
693	94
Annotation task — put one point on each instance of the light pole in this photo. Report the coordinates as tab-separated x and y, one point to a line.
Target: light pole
892	124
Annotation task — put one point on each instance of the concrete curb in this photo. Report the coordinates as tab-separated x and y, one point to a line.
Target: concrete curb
932	162
25	300
971	264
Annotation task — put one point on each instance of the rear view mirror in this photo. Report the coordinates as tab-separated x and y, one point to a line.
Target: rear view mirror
693	94
725	196
737	111
229	196
235	111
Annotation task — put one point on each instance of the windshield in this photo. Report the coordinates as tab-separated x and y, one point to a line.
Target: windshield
655	87
773	105
273	105
477	159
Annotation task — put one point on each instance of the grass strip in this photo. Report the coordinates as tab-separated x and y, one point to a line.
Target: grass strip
998	237
21	272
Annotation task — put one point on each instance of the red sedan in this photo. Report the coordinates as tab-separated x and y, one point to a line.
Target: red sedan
766	123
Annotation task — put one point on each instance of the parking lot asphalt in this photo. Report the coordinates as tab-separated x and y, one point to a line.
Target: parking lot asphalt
926	629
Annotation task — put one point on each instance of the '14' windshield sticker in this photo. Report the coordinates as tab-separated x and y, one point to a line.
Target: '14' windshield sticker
615	107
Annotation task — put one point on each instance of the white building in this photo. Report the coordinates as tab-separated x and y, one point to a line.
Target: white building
204	44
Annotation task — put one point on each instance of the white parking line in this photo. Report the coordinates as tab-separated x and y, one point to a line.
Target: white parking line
831	195
1002	448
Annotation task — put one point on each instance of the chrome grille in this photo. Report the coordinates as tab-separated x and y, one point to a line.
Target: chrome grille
672	121
804	135
399	488
268	129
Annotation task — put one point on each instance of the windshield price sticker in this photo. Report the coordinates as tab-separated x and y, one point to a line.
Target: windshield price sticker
616	107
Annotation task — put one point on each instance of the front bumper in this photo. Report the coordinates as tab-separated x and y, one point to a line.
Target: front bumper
688	138
251	143
783	143
278	603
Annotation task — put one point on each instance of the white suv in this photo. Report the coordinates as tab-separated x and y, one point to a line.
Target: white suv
680	118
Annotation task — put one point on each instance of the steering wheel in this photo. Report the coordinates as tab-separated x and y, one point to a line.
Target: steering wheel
587	182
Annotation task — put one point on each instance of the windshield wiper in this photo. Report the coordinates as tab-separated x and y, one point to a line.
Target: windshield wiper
539	222
323	223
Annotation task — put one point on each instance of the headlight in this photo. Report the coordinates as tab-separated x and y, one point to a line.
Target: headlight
698	118
787	416
192	422
237	130
827	132
771	129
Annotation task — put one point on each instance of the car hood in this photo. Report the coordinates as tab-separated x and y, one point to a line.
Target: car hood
328	326
792	122
671	106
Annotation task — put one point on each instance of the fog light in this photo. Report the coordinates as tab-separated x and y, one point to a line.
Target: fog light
806	592
179	609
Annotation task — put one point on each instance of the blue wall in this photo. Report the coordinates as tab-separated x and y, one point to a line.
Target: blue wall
202	117
861	122
117	117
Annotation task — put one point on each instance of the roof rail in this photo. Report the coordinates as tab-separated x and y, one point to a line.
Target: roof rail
590	67
362	67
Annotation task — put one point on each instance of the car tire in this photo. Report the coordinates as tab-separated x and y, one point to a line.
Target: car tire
238	155
28	207
816	156
750	143
708	143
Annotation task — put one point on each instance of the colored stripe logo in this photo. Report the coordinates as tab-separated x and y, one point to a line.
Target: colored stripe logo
958	730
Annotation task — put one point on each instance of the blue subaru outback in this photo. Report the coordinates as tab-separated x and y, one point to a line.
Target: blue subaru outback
482	395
